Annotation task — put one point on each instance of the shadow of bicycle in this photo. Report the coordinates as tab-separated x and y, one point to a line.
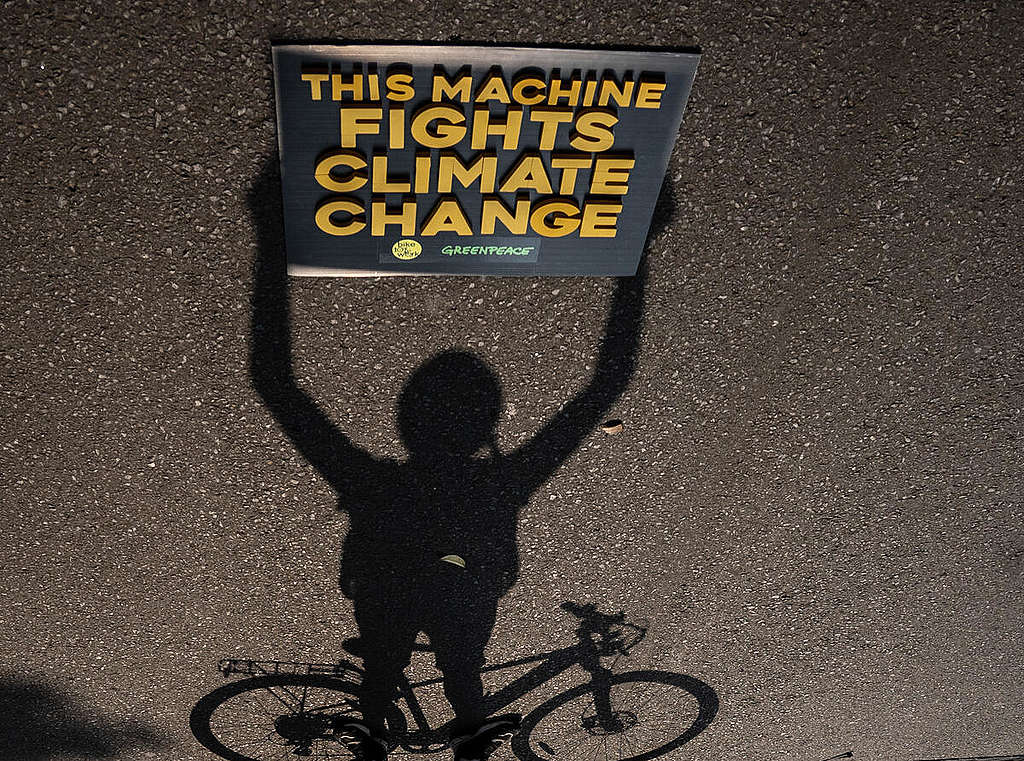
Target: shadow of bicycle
288	708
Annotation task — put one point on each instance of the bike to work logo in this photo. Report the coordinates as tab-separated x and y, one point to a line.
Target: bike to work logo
406	249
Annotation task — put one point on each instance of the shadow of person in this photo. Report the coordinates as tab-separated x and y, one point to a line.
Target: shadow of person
455	500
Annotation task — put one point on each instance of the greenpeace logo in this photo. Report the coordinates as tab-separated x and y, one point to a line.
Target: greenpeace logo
487	254
488	250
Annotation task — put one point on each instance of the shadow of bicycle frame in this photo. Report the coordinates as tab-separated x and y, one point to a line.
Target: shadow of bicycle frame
298	706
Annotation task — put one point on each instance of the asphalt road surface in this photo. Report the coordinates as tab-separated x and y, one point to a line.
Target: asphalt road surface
816	498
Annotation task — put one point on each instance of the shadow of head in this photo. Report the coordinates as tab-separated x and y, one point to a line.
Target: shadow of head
449	407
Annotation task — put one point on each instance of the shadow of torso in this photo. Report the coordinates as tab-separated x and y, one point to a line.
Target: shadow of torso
405	516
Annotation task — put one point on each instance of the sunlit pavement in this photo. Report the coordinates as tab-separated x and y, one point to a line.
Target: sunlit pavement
815	500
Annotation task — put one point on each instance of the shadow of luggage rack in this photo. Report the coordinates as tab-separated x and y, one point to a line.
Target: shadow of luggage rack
342	670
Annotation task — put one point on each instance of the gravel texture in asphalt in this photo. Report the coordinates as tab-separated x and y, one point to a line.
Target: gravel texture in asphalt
815	500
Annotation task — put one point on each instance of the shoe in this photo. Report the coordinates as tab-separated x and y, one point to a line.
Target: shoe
487	739
363	743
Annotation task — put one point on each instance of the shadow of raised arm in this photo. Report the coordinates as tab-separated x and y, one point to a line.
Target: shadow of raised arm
536	460
270	355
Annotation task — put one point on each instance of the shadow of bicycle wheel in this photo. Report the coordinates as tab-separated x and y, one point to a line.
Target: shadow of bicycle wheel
633	716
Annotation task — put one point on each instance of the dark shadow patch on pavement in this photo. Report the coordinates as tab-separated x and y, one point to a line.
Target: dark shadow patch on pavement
40	722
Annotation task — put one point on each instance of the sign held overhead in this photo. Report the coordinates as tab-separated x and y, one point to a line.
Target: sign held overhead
417	160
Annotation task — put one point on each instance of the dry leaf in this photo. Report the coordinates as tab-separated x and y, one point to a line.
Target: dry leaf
612	427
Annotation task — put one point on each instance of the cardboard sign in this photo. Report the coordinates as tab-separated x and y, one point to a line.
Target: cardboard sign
401	159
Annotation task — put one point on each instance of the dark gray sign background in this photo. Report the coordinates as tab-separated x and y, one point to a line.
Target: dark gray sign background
307	128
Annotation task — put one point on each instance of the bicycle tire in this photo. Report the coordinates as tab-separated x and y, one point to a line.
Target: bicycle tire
281	723
554	732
